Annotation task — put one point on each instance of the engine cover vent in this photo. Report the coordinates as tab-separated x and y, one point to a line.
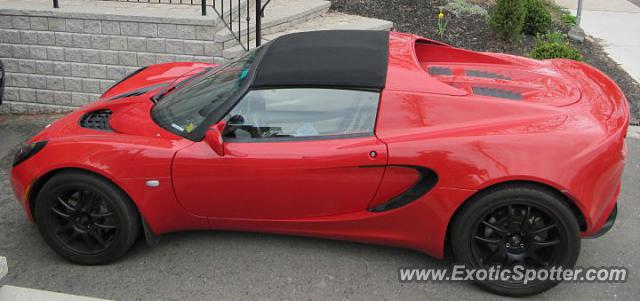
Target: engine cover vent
96	120
485	74
440	71
499	93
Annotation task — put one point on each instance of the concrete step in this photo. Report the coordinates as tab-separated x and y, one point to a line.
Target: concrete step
278	15
326	21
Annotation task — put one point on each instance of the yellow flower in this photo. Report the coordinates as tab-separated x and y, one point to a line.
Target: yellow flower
441	15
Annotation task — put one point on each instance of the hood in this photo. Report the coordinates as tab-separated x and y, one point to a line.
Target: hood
129	102
497	76
126	107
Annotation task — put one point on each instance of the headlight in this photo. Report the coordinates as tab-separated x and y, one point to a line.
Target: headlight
26	151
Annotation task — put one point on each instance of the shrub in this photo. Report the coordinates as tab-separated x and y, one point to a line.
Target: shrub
461	7
568	19
554	45
507	18
538	19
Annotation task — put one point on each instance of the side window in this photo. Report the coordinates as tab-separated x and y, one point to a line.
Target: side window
302	113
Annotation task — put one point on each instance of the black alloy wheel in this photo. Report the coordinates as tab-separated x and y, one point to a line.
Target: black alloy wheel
85	218
519	225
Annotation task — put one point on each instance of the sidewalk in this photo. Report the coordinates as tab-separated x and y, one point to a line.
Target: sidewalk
617	24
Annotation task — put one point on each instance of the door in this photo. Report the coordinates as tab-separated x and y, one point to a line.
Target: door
289	153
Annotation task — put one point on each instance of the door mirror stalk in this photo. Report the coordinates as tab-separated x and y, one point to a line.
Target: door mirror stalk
213	137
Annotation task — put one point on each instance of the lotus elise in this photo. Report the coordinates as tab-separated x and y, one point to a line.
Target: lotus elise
367	136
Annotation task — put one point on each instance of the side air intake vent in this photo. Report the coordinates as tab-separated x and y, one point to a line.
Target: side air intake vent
499	93
96	120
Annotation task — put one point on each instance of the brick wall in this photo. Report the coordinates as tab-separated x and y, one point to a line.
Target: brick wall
56	61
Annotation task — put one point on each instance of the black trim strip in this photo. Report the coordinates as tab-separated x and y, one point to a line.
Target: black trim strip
125	78
428	179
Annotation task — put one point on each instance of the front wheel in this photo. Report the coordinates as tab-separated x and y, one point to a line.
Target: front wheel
86	219
524	226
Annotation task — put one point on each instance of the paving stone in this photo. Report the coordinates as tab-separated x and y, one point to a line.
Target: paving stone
167	31
136	44
39	23
11	36
79	70
127	58
57	24
81	41
55	53
75	25
62	69
29	37
64	39
156	45
44	67
115	72
55	83
118	43
38	52
73	84
110	27
149	30
92	26
97	71
194	47
21	22
109	57
46	38
26	66
129	28
100	42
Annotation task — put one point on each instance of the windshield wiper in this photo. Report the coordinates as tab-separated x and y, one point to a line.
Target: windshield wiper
161	94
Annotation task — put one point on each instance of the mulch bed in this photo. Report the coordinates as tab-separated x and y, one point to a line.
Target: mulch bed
473	32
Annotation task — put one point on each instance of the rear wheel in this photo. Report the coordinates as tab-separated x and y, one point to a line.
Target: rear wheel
522	226
86	219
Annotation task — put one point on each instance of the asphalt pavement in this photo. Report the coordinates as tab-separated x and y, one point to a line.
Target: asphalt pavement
211	265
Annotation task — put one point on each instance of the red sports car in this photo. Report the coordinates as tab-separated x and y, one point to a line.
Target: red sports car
368	136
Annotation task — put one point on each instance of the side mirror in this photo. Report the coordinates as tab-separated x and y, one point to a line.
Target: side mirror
213	137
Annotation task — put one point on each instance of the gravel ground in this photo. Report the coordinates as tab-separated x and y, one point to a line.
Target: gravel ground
473	32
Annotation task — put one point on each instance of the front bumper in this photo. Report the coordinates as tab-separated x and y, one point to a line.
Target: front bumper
611	220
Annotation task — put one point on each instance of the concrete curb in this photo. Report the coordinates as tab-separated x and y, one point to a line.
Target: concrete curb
14	293
4	269
633	132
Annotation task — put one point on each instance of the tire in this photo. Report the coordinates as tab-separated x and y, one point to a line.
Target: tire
85	218
505	243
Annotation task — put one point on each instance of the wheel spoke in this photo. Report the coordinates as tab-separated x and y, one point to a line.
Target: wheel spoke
98	238
534	256
88	198
88	242
497	256
66	205
542	244
60	213
103	226
100	215
495	228
526	225
543	229
488	240
72	237
63	228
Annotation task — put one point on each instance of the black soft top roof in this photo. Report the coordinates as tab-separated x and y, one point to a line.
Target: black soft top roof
332	58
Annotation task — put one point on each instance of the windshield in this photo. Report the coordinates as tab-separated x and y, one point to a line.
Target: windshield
190	102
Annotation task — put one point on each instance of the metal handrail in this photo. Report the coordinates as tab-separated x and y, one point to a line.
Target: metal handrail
228	23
